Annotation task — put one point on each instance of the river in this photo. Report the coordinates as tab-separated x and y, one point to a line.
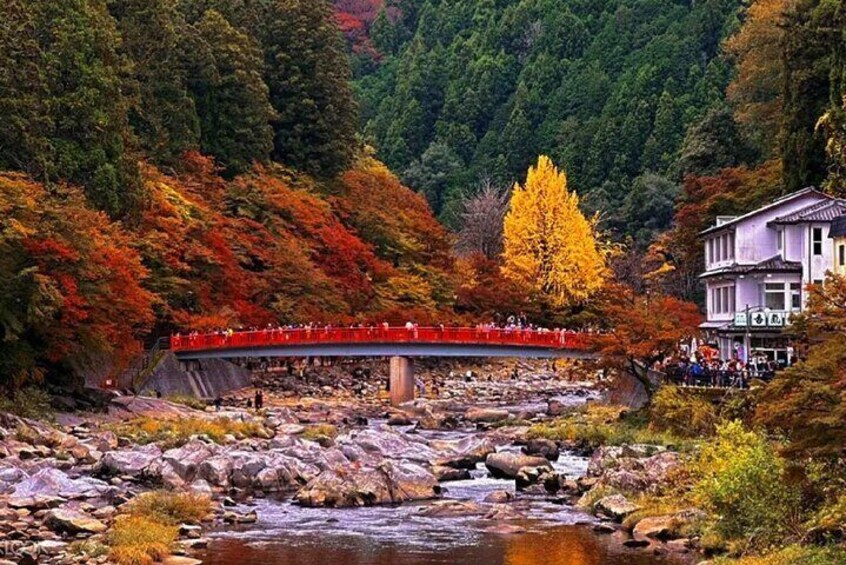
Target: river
551	531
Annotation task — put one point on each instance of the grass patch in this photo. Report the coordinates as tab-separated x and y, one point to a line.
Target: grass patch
595	425
175	433
171	508
138	540
189	401
792	555
146	533
30	402
320	431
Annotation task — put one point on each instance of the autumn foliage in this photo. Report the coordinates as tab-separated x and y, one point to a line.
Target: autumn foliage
549	244
269	246
643	328
71	283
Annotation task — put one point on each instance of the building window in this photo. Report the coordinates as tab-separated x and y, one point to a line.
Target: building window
722	300
816	240
841	255
730	240
795	296
774	296
780	240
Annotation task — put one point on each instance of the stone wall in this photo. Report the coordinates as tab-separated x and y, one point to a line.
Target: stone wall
213	377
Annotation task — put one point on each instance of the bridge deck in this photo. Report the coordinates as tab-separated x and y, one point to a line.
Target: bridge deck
379	341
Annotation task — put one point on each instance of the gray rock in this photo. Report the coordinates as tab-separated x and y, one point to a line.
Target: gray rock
186	460
73	522
615	506
486	415
505	465
134	462
543	448
48	486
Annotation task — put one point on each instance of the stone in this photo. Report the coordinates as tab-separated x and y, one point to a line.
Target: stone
503	512
505	465
615	506
180	560
73	522
464	453
186	460
486	415
50	547
444	474
133	462
452	508
499	497
49	486
399	419
543	448
506	529
217	470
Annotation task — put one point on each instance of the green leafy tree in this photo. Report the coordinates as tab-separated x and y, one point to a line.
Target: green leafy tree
162	113
307	72
714	143
231	97
79	129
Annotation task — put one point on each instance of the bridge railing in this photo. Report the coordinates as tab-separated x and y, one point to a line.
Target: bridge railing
380	335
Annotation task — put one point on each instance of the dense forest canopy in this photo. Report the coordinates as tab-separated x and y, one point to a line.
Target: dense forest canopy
628	96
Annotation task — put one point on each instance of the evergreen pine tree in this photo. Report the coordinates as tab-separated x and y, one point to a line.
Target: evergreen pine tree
307	72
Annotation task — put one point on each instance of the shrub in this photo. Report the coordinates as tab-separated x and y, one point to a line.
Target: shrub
175	433
189	401
320	431
171	508
29	402
792	555
597	425
741	483
138	540
682	413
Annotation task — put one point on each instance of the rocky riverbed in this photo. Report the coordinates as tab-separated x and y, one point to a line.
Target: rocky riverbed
456	469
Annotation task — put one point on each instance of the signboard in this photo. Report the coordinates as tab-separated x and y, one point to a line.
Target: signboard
776	319
760	319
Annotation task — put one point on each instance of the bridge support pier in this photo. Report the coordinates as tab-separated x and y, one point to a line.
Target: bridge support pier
402	380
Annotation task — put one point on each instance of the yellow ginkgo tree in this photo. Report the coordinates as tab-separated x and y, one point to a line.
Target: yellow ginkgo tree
550	246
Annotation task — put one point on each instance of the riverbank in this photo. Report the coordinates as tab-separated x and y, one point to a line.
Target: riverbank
463	463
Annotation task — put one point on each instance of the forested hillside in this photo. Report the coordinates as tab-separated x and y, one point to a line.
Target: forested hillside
176	164
464	90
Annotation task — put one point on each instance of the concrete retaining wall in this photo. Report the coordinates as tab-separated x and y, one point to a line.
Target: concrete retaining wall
211	378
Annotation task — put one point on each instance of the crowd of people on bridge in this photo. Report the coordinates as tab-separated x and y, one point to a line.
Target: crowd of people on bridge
509	324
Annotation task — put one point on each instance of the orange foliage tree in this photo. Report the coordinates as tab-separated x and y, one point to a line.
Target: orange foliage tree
677	257
70	283
643	329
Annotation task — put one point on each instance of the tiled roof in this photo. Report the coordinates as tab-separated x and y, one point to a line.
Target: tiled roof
772	265
824	211
778	202
838	227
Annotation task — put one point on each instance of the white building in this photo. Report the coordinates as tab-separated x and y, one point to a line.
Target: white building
757	267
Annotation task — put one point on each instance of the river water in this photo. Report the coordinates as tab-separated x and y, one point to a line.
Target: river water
552	532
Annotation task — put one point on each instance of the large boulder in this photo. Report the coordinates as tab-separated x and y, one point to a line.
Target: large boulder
391	482
505	465
615	506
217	470
363	487
389	444
50	486
464	453
73	522
452	509
666	527
542	448
187	459
133	462
485	415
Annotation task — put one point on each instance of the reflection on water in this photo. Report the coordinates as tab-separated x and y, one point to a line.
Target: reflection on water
562	545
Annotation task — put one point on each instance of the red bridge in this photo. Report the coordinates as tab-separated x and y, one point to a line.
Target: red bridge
401	344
